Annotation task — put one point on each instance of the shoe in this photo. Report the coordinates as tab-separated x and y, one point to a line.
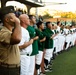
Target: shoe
50	64
48	69
42	73
38	74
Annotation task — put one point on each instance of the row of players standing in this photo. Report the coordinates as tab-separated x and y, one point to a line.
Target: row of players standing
39	40
51	39
66	37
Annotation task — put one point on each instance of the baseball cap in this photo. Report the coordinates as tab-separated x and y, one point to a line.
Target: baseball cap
6	10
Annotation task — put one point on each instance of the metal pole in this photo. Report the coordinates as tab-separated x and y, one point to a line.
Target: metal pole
36	12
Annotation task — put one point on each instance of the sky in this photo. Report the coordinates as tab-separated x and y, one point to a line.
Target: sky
70	6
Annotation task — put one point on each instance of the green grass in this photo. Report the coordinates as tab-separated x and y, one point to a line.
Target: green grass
65	63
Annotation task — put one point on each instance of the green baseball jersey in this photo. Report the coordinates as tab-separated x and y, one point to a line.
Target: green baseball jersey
55	31
62	30
49	40
70	31
32	34
41	36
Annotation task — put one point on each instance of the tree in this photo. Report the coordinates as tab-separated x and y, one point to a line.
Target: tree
68	15
47	14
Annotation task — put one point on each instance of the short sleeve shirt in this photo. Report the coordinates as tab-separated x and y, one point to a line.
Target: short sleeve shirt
48	42
41	36
9	54
32	33
25	38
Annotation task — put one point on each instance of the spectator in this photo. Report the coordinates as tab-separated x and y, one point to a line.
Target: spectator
10	36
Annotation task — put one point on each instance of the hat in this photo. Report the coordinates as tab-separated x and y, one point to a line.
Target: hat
6	10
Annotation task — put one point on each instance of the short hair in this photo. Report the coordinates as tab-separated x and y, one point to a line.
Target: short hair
58	22
30	16
47	23
39	23
52	24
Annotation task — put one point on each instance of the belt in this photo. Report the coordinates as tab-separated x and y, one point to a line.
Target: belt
28	54
10	65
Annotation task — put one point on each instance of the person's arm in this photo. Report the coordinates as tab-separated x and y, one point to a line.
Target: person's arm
36	37
42	40
26	44
16	33
52	36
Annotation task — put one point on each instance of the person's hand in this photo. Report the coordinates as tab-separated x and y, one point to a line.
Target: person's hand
44	38
31	41
53	36
35	38
14	19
